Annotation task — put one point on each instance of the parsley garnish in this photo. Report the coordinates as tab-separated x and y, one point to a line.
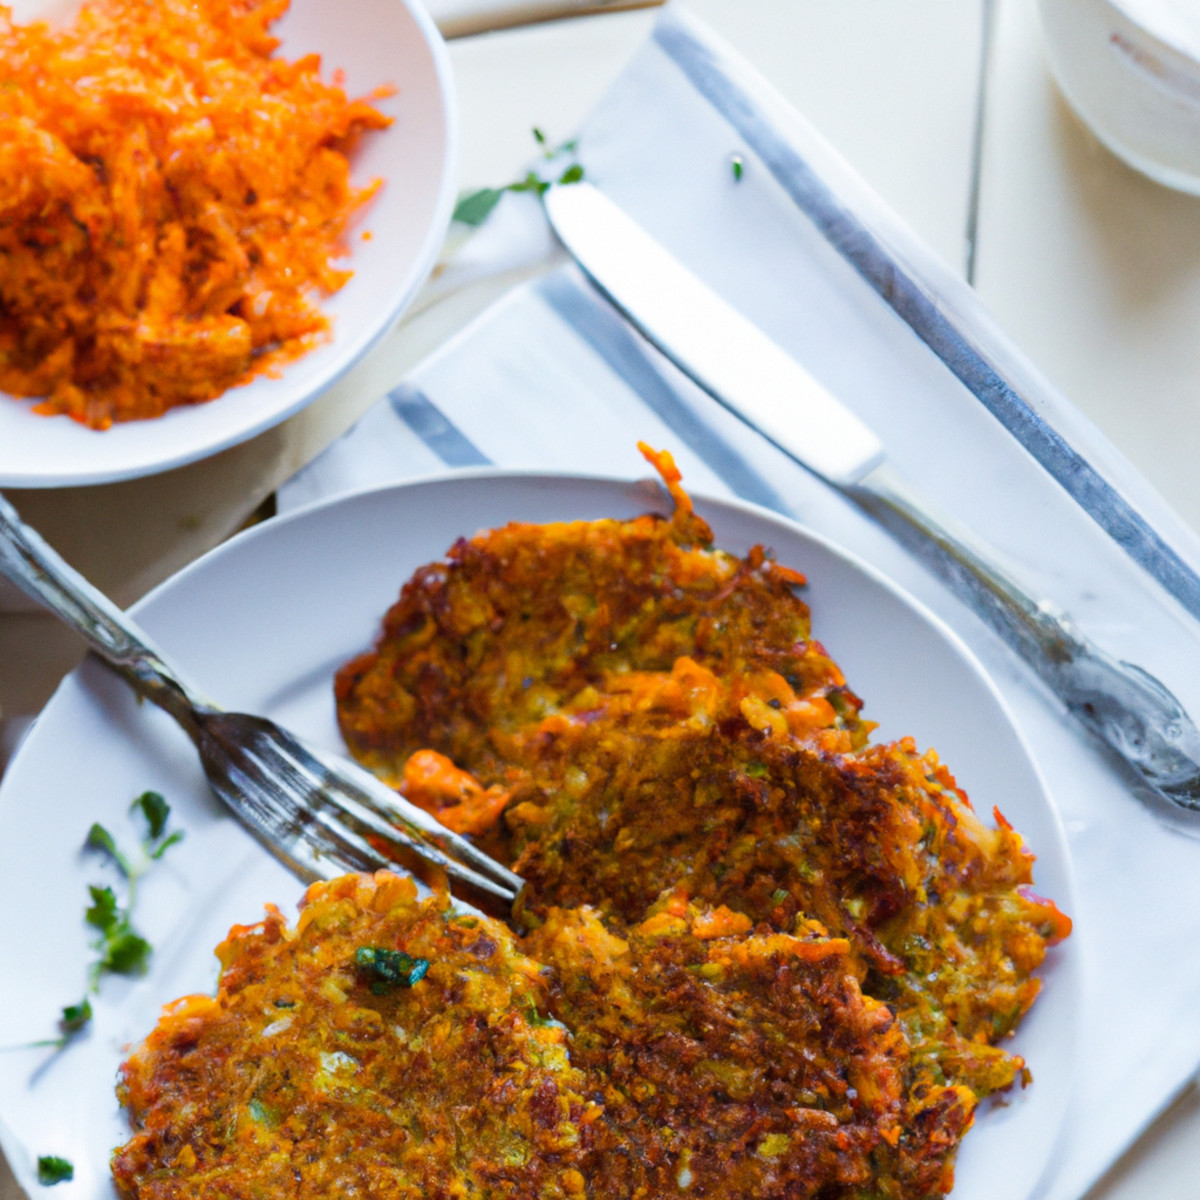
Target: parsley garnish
475	207
98	838
386	969
120	949
52	1169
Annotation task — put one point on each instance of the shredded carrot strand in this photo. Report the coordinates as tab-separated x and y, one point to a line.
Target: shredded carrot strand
172	200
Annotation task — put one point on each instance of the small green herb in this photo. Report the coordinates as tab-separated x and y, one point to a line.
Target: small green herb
52	1169
389	968
73	1020
75	1017
531	183
120	949
473	208
156	811
736	166
263	1114
123	952
172	839
533	1017
104	913
98	838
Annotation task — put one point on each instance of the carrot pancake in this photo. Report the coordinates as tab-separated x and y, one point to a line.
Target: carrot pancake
524	624
385	1046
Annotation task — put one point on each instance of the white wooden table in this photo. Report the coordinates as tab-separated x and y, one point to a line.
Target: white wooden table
1093	270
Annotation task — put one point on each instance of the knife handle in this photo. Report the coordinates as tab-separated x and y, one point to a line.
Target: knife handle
1128	709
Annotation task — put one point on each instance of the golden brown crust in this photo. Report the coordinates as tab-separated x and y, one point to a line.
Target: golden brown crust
299	1079
522	622
731	1063
692	1057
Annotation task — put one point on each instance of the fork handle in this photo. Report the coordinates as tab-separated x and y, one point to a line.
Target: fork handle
42	574
1127	708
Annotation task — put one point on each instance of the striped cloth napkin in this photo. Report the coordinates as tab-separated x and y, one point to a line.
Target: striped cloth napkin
550	377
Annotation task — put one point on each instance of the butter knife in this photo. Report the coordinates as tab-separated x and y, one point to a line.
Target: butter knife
1127	709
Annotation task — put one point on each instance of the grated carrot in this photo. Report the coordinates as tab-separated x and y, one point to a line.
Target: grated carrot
172	200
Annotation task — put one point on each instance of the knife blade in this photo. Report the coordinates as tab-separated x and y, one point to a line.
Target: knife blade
1127	709
731	358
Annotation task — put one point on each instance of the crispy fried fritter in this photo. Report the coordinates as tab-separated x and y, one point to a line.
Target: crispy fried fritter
688	1059
878	846
311	1074
524	621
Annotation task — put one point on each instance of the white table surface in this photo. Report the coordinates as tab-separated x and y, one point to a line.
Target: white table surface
1093	270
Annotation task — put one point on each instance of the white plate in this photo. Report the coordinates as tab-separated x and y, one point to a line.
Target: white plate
261	624
375	42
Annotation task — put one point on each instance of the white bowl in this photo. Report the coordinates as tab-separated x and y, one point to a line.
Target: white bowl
373	42
1131	70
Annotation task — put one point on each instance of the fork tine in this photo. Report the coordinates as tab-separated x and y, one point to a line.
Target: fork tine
290	789
396	810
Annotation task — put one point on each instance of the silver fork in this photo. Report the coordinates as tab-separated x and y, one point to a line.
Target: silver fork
320	814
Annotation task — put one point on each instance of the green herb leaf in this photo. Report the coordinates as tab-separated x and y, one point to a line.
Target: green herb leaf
52	1169
75	1017
531	183
156	811
103	913
98	838
388	968
736	166
475	207
262	1114
124	952
166	844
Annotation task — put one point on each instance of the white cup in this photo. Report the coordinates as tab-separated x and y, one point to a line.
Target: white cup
1131	70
